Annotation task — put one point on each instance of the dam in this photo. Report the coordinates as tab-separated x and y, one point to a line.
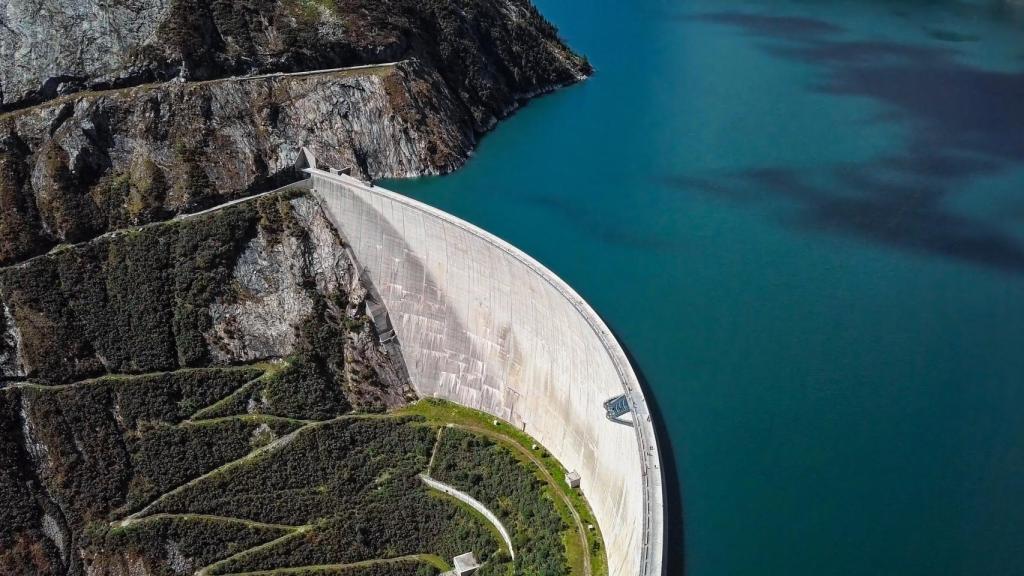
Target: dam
482	324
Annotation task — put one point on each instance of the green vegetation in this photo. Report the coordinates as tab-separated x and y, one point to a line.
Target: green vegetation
240	469
89	465
117	442
569	503
333	496
303	390
334	463
133	303
168	456
297	389
20	229
174	396
419	565
24	549
138	301
131	198
492	475
168	544
352	483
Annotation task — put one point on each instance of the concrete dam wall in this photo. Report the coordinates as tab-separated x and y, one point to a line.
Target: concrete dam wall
482	324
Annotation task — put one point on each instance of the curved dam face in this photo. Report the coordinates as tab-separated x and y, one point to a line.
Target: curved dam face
484	325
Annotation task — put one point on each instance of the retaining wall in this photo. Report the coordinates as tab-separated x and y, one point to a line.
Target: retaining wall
482	324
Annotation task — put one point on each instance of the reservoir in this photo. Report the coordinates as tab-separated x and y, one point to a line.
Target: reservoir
806	222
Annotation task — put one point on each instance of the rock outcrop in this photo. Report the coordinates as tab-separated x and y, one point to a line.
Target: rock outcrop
491	52
116	116
12	364
98	136
84	165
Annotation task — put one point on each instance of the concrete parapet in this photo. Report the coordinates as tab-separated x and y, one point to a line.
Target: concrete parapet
482	324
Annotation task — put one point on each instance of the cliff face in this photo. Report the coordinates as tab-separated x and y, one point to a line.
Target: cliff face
78	167
82	153
490	52
129	336
116	114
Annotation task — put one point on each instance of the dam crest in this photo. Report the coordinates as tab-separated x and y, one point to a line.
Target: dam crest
484	325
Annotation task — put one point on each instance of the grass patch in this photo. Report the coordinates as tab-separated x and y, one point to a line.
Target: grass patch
441	412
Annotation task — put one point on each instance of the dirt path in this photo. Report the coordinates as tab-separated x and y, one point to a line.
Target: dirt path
225	519
425	558
433	453
275	445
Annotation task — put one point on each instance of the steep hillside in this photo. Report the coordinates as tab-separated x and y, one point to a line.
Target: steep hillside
490	52
186	390
265	279
124	352
80	166
128	112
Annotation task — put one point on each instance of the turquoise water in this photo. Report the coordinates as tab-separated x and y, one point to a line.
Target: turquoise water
806	221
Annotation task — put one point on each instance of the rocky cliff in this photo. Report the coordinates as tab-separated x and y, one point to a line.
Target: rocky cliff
128	112
80	166
142	345
106	342
491	52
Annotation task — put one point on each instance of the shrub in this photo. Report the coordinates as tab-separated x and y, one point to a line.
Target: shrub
301	390
138	301
167	545
492	474
165	457
174	396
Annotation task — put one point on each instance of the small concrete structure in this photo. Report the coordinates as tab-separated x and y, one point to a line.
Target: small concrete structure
466	564
618	407
573	479
305	160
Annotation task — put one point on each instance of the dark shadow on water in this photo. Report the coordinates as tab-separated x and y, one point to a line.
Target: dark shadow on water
900	217
961	122
611	231
675	533
944	35
761	24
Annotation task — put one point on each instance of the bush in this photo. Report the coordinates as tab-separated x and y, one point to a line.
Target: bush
24	548
110	444
205	251
493	475
166	457
326	467
397	568
164	544
302	390
138	301
174	396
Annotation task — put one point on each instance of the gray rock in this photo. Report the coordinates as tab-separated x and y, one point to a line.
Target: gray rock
269	301
12	356
53	46
258	319
128	157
